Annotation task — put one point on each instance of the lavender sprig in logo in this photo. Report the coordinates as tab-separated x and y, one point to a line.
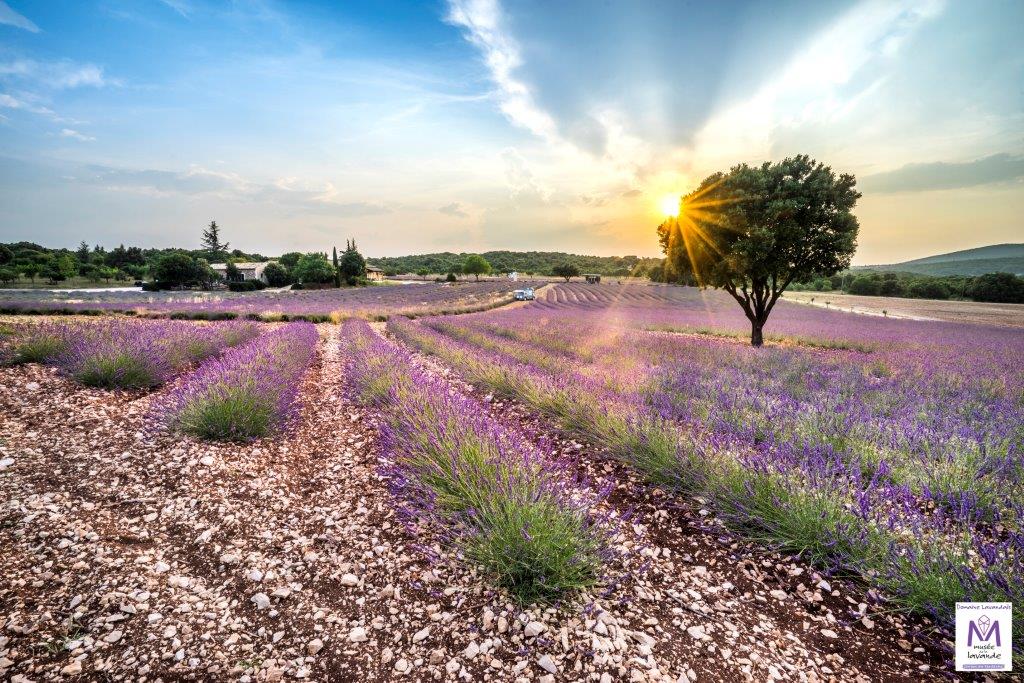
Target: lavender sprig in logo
984	636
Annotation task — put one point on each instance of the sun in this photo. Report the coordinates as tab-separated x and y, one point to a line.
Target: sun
670	205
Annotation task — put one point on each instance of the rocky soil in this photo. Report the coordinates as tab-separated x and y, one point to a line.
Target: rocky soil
127	553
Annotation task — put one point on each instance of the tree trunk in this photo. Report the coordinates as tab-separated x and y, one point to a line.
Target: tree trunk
756	335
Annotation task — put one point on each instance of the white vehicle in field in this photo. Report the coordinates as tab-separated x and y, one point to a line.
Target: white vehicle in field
523	294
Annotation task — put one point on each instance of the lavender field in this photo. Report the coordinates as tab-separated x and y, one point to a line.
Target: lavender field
607	483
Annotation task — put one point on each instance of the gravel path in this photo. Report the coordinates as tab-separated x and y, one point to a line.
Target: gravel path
130	554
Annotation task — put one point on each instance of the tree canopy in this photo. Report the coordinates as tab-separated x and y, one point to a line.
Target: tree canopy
352	266
754	230
566	270
997	287
476	265
276	274
313	269
211	239
182	270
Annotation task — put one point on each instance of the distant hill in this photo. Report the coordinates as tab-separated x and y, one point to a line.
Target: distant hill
539	262
996	258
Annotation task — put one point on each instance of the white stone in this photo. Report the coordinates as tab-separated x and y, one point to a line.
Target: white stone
421	635
534	629
72	669
314	646
697	632
358	635
4	464
260	600
545	662
350	580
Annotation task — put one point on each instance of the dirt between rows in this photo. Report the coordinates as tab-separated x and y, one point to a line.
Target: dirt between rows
128	553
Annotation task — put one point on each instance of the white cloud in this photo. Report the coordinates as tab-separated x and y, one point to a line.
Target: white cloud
454	209
11	18
10	102
482	20
60	75
290	194
814	87
180	6
75	135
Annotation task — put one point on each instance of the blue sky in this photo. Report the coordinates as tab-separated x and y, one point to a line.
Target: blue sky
477	124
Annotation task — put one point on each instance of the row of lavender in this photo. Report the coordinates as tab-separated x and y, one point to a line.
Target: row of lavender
902	464
249	392
315	305
486	491
244	383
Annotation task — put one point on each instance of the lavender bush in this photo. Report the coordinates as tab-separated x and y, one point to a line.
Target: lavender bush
486	489
248	392
42	343
124	354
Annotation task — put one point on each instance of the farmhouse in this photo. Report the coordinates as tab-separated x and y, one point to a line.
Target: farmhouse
592	278
249	270
374	273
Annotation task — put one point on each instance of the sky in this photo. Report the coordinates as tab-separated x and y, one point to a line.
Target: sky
471	125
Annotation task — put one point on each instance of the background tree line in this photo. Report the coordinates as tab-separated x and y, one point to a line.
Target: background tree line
31	262
990	287
526	262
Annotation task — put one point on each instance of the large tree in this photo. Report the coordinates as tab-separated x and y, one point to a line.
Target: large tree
353	265
566	270
178	269
754	230
60	268
476	265
276	274
313	269
211	239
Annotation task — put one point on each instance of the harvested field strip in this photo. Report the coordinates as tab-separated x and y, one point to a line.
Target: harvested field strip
487	490
809	503
320	305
